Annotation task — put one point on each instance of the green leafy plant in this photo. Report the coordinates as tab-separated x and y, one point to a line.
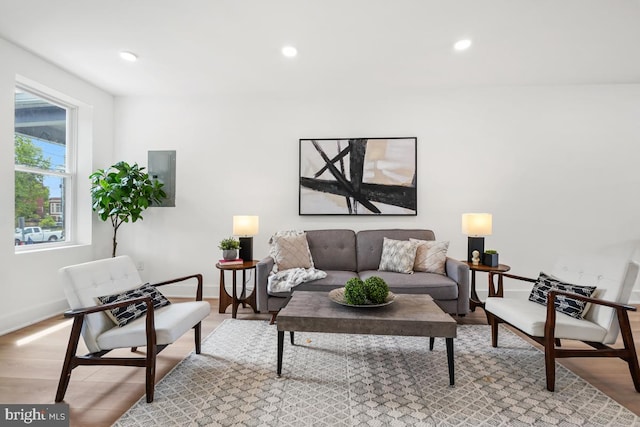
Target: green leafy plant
490	251
229	244
376	289
354	292
121	193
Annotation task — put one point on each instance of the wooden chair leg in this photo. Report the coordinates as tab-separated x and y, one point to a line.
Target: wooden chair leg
69	357
493	321
197	332
273	317
627	339
550	360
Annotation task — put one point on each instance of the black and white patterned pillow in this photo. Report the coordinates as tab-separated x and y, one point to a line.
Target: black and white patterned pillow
123	315
398	255
563	304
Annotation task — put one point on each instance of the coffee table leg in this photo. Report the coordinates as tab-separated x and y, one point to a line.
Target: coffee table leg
450	360
431	341
291	336
280	347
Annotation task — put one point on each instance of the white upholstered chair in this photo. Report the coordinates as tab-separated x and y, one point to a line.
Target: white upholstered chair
83	283
604	320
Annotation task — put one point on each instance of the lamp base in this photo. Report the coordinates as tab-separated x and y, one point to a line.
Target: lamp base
474	244
246	248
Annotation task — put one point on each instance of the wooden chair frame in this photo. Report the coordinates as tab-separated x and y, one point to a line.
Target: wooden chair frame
72	360
552	345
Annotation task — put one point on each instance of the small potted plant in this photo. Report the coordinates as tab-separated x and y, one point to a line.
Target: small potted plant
490	258
229	248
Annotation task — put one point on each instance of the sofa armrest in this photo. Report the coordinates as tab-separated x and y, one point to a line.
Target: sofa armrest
459	272
263	269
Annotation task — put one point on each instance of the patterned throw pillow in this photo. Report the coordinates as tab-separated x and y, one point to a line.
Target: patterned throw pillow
123	315
431	256
398	255
291	252
563	304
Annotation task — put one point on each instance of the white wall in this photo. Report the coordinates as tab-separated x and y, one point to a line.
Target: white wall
557	167
30	286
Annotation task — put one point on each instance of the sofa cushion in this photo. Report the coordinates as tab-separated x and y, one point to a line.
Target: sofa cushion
335	279
438	286
369	244
397	255
333	249
431	256
564	304
291	252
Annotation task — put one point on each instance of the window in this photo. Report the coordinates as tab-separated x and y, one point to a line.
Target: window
44	172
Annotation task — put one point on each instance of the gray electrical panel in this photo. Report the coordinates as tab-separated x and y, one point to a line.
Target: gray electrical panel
162	167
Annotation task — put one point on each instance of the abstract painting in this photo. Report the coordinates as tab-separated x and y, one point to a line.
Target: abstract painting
358	176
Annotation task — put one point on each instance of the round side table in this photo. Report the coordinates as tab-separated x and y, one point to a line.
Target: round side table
474	301
234	299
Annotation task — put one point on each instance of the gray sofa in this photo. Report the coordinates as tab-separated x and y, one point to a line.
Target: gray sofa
344	254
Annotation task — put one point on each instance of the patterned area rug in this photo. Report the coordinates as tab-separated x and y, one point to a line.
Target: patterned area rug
352	380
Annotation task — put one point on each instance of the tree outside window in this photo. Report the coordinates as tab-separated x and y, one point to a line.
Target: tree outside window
41	172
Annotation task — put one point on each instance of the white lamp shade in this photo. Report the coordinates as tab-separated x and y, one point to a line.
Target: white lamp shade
245	225
476	224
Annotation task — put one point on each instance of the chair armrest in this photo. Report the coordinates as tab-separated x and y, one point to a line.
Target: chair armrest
551	296
621	311
263	269
459	272
182	279
103	307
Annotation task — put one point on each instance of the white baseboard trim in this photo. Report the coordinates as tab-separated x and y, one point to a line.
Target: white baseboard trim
17	320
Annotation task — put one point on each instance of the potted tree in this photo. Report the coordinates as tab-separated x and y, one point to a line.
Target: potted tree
121	192
229	248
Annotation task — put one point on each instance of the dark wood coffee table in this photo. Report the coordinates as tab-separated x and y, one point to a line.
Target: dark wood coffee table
409	315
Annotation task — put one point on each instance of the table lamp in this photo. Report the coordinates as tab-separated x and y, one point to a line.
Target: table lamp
245	227
476	226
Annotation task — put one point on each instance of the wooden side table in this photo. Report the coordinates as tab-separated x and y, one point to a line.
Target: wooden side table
234	299
474	301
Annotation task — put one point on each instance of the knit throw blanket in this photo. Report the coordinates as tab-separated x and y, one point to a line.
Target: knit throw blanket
285	280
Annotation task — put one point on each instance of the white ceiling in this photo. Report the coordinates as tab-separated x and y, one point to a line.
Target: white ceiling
232	46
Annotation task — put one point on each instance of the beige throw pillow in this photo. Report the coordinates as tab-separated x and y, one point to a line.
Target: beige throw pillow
291	252
431	256
397	255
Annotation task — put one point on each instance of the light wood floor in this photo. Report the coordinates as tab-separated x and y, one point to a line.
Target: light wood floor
98	396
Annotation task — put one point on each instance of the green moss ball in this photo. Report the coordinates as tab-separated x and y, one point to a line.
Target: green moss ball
354	292
376	289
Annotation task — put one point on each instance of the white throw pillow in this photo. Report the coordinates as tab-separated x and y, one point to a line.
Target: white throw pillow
398	255
431	256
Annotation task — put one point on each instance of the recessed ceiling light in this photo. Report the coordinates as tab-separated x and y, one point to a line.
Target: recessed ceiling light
289	51
462	44
128	56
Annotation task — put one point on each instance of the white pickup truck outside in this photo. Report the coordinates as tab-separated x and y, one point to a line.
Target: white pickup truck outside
36	235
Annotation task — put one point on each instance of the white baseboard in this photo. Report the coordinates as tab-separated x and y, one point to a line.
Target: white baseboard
17	320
